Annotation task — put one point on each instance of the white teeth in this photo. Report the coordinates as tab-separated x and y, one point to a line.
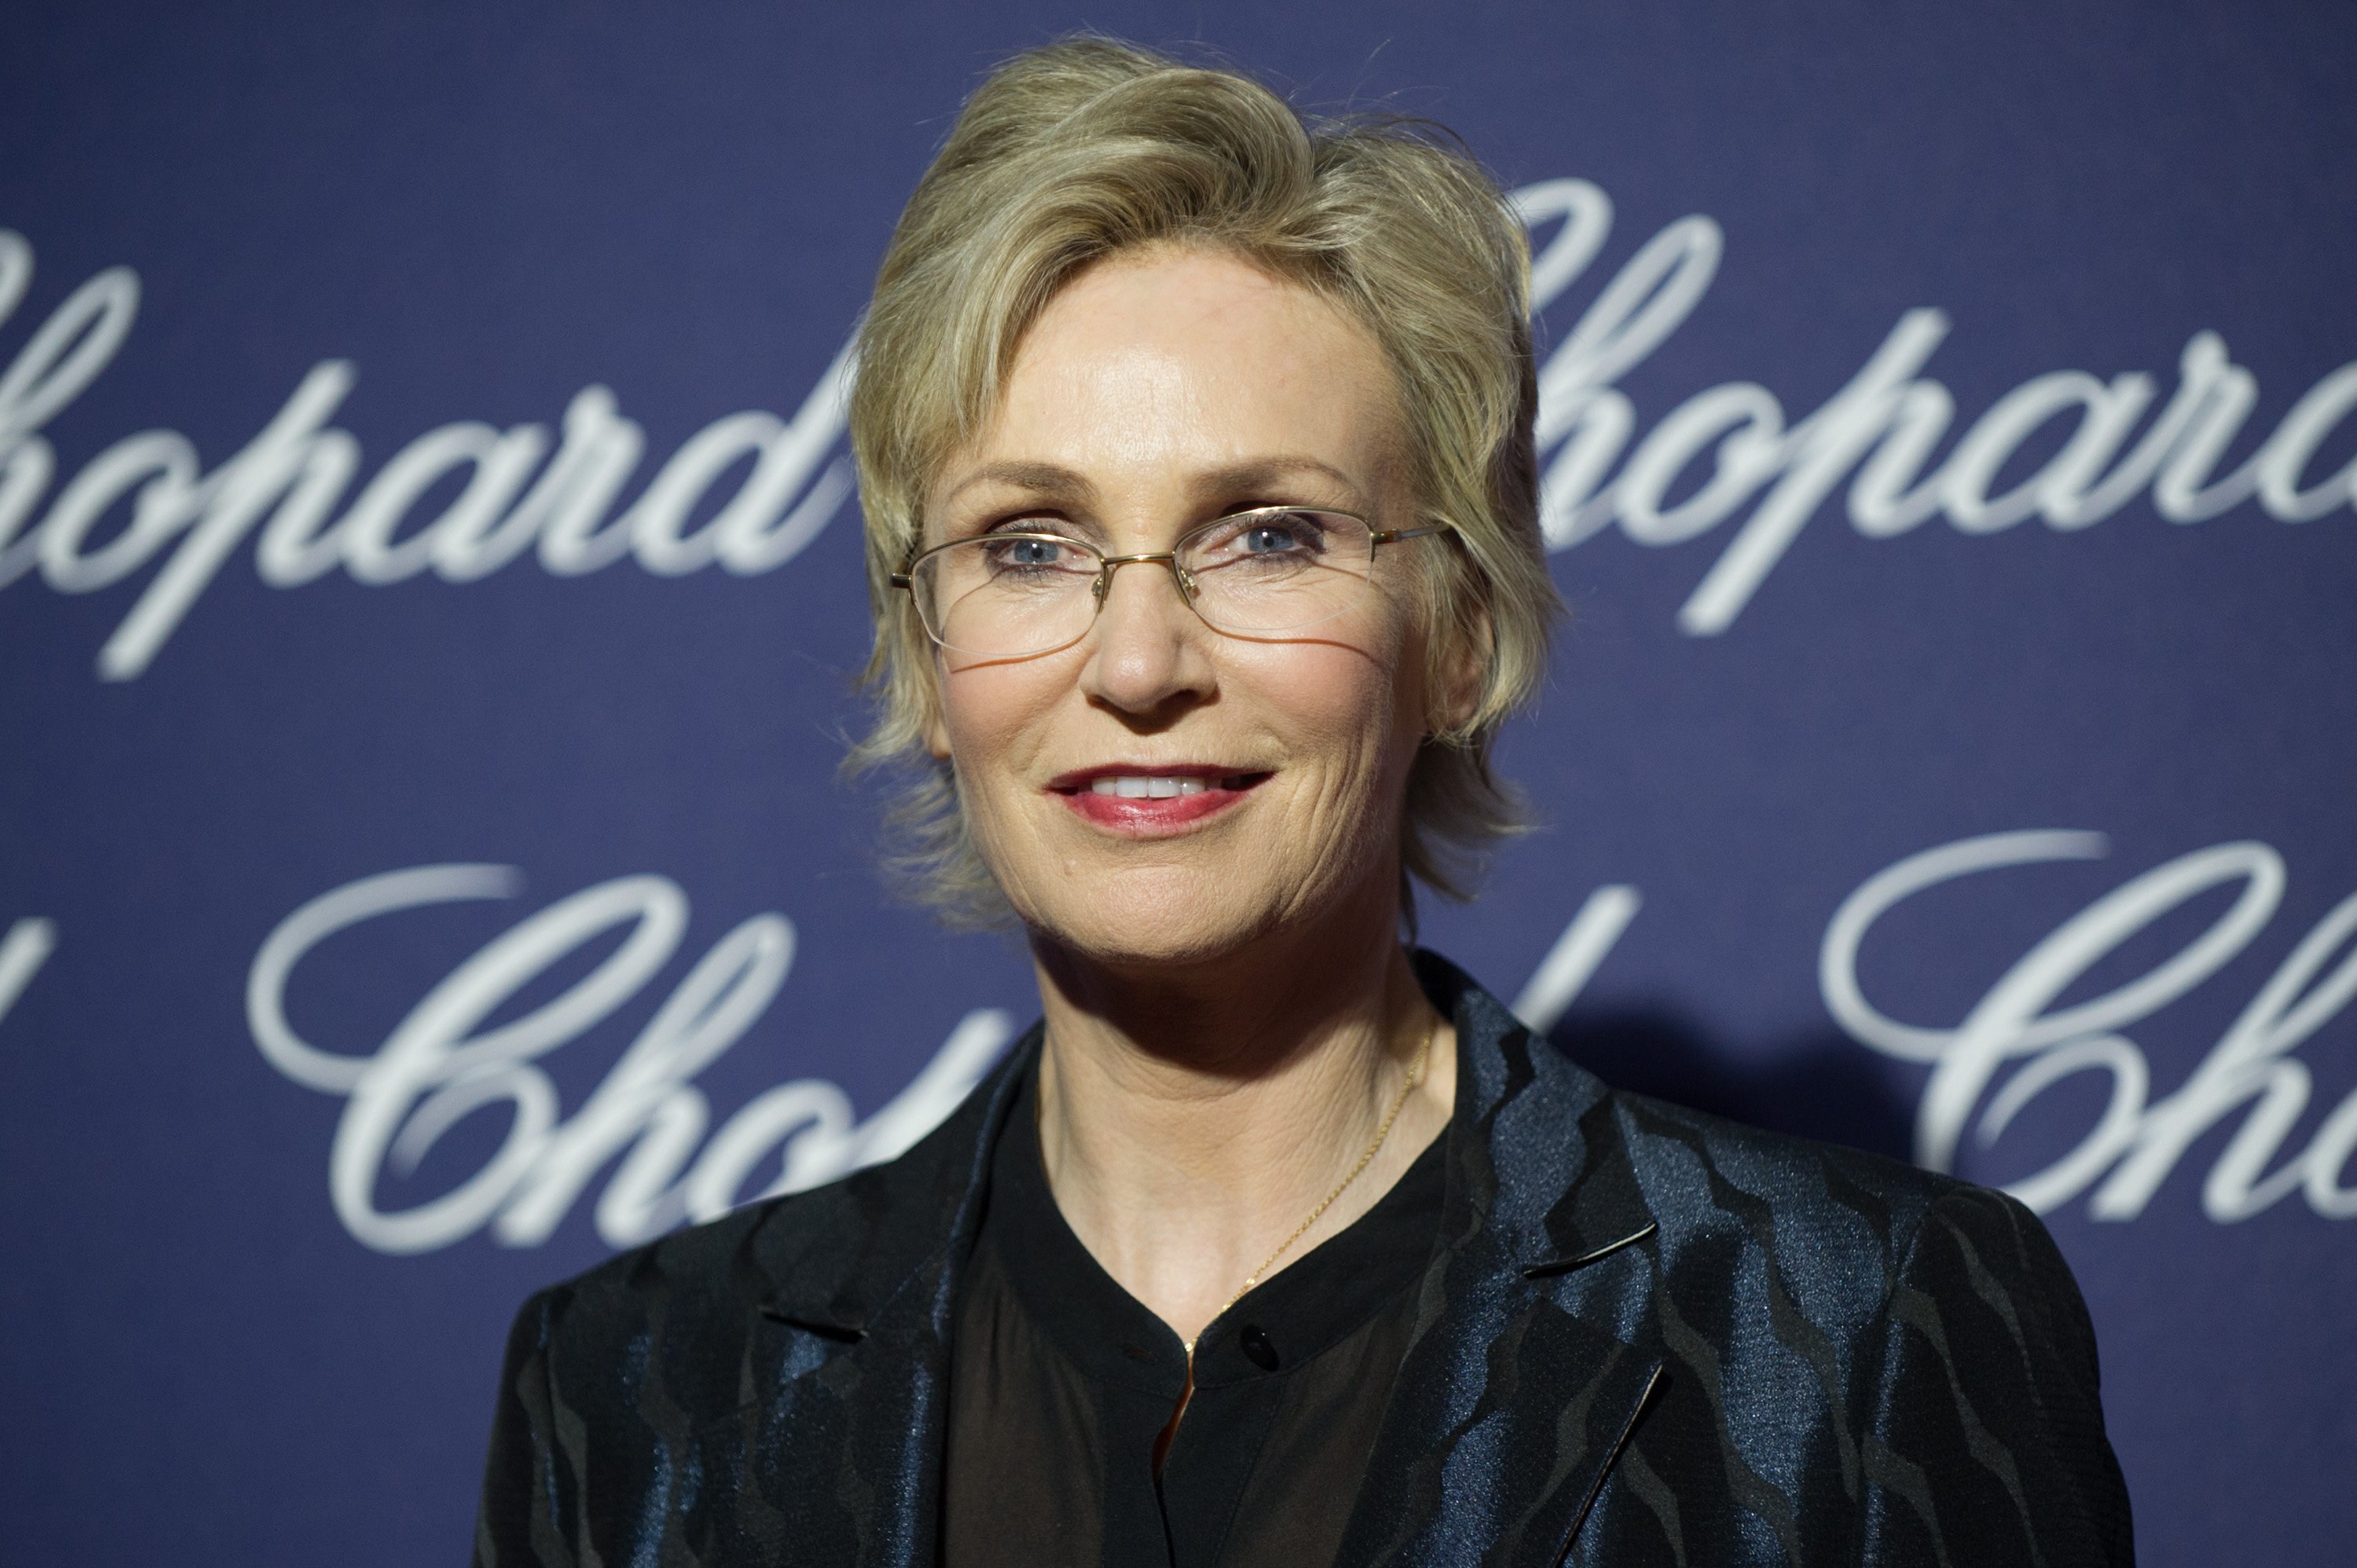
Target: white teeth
1145	787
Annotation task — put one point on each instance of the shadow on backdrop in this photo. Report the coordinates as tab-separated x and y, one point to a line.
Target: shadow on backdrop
1814	1086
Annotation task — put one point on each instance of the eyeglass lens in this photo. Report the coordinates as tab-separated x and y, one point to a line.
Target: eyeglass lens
1008	595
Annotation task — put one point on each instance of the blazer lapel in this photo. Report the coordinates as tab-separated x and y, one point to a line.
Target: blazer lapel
838	1459
1521	1387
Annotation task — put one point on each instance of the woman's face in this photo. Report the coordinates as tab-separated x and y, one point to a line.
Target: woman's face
1154	394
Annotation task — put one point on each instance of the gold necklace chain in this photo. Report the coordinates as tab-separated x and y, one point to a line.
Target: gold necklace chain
1399	1103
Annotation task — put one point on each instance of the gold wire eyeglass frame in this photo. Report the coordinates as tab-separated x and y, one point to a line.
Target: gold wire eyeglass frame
906	578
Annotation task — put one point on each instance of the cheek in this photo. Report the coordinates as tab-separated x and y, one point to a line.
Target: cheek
1354	711
994	717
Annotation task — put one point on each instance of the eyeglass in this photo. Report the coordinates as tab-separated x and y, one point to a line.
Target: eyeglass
1017	594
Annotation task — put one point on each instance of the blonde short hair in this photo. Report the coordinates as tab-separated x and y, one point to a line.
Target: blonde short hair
1069	153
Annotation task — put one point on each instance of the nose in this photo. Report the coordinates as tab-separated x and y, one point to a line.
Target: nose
1147	650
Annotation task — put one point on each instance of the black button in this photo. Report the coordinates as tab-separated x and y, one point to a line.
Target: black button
1254	1344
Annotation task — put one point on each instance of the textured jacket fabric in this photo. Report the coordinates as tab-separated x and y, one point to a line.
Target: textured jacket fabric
1647	1335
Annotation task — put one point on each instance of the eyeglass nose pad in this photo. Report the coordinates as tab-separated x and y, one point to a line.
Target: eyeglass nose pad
1097	588
1186	581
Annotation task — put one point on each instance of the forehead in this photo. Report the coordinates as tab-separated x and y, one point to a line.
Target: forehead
1152	367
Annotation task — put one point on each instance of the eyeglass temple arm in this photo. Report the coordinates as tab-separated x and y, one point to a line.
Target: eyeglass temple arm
1394	536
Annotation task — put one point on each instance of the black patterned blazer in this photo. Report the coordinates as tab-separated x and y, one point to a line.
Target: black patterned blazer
1648	1335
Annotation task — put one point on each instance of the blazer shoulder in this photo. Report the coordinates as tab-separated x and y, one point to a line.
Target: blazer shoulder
683	1324
1705	1173
1863	1247
795	1245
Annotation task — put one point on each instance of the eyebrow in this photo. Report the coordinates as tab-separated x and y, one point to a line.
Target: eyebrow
1048	478
1054	479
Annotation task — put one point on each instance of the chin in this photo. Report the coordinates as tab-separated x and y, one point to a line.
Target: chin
1163	916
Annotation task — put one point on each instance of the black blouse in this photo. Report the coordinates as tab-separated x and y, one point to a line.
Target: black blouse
1062	1382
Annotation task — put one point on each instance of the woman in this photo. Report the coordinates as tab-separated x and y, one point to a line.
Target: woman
1195	449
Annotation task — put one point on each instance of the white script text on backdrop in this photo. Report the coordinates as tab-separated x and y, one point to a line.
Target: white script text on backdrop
1720	450
440	1064
2251	1071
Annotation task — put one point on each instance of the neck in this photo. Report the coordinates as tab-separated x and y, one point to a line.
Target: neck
1191	1117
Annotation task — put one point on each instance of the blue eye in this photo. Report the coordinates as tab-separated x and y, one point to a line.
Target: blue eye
1023	554
1285	534
1277	540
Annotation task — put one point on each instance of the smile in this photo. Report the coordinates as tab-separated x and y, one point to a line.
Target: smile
1150	802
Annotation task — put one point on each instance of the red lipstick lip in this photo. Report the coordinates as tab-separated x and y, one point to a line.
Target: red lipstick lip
1148	817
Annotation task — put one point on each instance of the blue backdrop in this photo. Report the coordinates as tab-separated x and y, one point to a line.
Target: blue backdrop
430	598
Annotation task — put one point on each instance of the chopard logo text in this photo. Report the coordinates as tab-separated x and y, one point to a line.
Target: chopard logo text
149	497
447	1061
2021	1038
